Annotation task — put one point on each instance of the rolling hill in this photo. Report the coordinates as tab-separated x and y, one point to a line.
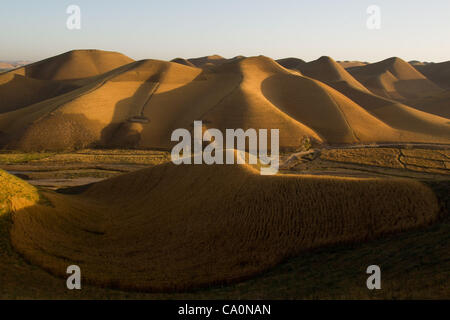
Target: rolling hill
164	228
394	78
291	63
349	64
439	73
76	64
327	70
207	61
183	62
18	91
139	104
391	112
55	76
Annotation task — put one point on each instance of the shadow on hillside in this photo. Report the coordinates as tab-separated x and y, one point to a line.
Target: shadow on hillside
179	108
416	88
123	131
21	92
301	99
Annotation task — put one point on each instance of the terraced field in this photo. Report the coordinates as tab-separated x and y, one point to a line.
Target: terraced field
399	161
57	170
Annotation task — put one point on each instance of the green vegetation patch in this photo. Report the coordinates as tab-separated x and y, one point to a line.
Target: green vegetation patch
14	189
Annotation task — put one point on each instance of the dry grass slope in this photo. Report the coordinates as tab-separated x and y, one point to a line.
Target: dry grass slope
172	227
394	78
15	194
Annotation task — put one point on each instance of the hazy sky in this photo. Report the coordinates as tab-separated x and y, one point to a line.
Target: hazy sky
165	29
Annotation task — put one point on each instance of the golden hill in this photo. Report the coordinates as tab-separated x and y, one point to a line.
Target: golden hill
349	64
207	61
239	57
95	111
74	64
291	63
18	91
141	103
394	114
183	61
164	228
15	193
410	120
416	63
394	78
327	70
55	76
439	73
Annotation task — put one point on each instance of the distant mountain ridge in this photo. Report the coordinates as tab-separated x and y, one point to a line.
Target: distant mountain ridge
8	65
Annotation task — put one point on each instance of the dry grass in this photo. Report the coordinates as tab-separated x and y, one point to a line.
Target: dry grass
420	160
336	272
15	158
108	157
425	163
383	157
175	228
86	156
441	155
